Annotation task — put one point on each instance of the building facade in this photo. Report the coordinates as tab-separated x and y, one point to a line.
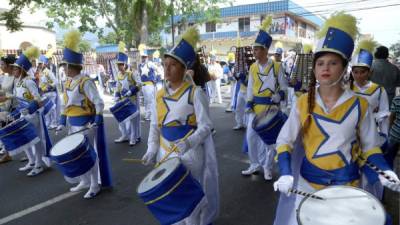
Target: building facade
291	25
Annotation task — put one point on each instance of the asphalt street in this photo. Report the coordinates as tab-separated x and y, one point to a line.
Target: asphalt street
45	199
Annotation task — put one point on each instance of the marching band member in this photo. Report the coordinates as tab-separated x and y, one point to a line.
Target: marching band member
148	78
242	78
215	71
376	97
47	85
182	108
127	88
331	131
27	94
83	107
265	88
228	70
7	86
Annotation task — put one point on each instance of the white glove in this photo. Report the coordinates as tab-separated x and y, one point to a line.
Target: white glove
24	112
276	98
182	147
149	158
3	116
385	182
60	127
284	184
10	117
128	93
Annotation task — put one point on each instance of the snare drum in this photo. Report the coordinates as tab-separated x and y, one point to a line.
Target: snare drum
268	124
170	192
124	110
344	205
18	135
73	155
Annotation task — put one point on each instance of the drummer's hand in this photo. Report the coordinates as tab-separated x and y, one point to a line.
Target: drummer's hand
3	98
24	112
128	94
276	98
60	127
182	147
10	117
148	158
284	184
394	186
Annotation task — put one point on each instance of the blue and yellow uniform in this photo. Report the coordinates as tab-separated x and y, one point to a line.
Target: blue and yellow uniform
331	157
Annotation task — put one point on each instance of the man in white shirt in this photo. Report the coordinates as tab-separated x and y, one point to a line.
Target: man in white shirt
214	85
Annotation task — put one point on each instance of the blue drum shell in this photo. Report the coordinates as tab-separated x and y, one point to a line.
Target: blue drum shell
123	110
179	203
269	132
18	134
48	105
76	162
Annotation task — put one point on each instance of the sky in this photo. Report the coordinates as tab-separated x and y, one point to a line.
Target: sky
382	23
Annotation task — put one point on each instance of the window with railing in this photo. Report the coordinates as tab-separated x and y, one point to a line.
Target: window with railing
244	24
210	27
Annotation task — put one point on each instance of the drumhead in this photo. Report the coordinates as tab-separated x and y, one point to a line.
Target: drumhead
158	174
344	205
265	117
67	144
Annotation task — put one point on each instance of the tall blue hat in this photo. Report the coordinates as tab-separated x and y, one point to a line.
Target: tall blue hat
25	59
337	35
71	54
43	59
263	38
122	57
363	55
185	51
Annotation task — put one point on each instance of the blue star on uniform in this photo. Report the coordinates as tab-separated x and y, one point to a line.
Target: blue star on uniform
179	109
333	130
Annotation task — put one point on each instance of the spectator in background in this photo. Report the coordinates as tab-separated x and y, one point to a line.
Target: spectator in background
385	73
216	72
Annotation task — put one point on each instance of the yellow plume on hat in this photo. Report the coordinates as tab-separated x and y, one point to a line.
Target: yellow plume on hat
266	23
192	36
121	46
72	40
2	53
32	53
156	54
278	44
50	53
307	48
231	56
342	21
367	44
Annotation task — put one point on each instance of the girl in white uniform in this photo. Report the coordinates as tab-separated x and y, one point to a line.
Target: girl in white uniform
181	108
127	87
83	107
26	93
266	88
47	85
331	131
377	99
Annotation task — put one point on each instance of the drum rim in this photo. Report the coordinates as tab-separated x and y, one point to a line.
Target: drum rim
137	189
77	134
335	186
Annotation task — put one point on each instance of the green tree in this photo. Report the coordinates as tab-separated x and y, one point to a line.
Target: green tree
132	21
109	38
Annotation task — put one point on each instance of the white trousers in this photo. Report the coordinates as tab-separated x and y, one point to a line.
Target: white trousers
149	97
240	115
215	91
260	154
51	117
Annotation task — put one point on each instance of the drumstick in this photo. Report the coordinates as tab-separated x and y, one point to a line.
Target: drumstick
377	170
133	160
380	172
84	129
305	194
173	149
